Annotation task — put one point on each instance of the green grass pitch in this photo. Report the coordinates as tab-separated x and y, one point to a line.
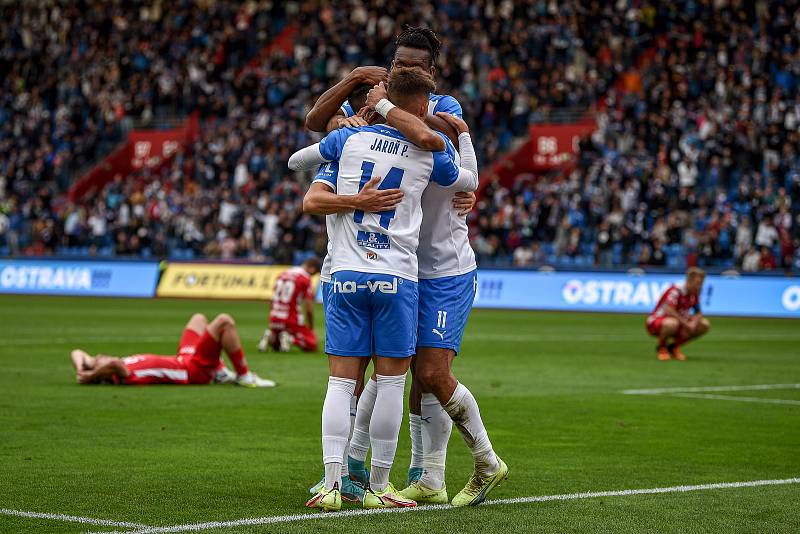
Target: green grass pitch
549	386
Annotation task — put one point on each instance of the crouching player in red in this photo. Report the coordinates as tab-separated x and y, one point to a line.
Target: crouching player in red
197	362
671	321
291	317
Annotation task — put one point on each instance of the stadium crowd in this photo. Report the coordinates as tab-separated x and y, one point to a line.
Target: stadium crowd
695	159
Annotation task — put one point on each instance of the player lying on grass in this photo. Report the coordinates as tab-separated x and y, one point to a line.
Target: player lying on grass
197	362
446	290
671	321
291	315
373	306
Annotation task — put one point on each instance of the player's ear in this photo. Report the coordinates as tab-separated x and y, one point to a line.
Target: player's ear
433	71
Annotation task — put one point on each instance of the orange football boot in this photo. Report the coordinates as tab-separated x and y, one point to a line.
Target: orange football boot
678	354
663	354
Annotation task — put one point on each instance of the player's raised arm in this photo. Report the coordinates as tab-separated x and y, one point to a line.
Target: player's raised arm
410	126
329	104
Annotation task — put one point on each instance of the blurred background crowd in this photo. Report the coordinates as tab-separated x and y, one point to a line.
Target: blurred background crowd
696	159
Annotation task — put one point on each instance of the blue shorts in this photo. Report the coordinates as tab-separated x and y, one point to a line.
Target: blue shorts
370	314
326	294
444	306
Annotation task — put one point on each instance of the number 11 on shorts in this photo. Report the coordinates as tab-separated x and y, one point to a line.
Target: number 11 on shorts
441	319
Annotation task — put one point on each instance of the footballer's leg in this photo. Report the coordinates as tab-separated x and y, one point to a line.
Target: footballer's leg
415	427
348	343
355	476
359	440
197	323
445	305
432	367
395	317
384	428
192	334
305	338
698	327
335	429
223	330
666	328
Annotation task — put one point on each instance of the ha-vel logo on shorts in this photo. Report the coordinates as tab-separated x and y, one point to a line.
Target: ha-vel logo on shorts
373	286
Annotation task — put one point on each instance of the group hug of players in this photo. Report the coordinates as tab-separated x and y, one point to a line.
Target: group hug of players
395	178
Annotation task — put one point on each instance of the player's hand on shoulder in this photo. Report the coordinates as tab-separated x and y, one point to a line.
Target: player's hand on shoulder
463	202
369	115
376	94
352	122
457	123
374	200
371	75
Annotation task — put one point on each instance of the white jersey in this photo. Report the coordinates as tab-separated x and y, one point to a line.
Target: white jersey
385	242
444	248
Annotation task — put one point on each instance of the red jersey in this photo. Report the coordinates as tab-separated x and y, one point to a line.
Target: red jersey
152	369
292	287
677	297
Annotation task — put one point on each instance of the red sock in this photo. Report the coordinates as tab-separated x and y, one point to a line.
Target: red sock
239	361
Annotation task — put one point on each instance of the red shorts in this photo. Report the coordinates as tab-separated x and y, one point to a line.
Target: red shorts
201	354
303	336
653	324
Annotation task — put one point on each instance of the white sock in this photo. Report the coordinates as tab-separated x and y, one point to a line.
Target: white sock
415	426
436	428
345	468
384	428
359	442
335	427
463	410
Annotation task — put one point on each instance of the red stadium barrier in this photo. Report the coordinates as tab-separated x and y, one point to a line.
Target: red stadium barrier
555	145
143	149
550	146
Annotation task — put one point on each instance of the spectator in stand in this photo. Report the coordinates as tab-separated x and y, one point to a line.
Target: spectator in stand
697	103
767	261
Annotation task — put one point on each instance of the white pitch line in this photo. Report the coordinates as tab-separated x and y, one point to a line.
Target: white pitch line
271	520
766	400
71	519
704	389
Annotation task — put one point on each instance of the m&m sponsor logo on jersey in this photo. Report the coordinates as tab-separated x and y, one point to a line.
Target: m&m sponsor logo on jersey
372	240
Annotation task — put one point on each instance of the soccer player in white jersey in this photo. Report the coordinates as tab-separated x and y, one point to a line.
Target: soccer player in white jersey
447	288
373	307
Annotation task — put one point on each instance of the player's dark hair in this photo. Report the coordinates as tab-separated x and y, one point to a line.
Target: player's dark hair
409	82
422	39
358	98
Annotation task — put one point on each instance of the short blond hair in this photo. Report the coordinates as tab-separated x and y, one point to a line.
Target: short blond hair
694	272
